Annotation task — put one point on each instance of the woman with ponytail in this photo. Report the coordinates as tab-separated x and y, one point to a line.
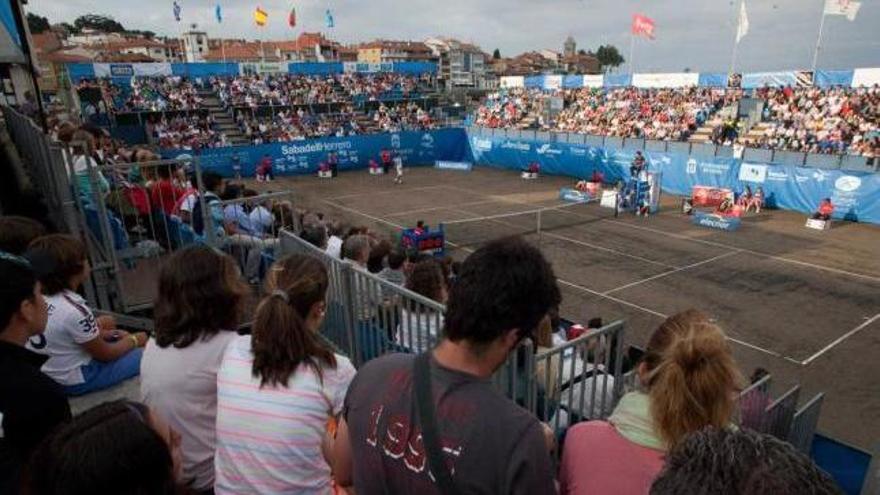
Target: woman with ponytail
279	389
688	380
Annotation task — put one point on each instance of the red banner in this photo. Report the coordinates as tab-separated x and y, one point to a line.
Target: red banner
710	196
643	25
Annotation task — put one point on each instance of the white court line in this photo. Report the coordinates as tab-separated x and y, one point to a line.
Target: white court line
423	210
393	191
718	244
670	272
575	241
575	286
841	339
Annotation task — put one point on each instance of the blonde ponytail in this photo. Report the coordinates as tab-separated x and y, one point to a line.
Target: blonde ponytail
692	377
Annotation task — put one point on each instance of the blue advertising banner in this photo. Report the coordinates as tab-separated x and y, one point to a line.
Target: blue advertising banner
772	79
354	152
826	78
205	69
856	195
713	80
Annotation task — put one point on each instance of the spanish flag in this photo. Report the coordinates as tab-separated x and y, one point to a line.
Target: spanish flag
260	16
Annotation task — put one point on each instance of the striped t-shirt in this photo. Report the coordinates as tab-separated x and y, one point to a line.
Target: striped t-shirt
269	439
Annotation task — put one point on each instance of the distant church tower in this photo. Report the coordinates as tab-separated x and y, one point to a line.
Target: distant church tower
570	47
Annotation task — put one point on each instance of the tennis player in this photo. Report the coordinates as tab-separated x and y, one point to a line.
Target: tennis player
398	167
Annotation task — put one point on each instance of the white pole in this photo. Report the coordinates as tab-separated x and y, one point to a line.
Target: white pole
632	45
818	41
736	38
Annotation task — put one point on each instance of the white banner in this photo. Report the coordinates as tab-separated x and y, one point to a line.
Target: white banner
594	81
513	81
552	82
866	77
751	172
849	8
367	67
129	70
263	68
669	80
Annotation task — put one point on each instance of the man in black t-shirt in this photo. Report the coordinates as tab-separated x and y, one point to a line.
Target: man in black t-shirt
31	403
490	444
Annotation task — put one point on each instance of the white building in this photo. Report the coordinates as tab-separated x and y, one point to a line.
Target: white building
195	45
92	37
460	64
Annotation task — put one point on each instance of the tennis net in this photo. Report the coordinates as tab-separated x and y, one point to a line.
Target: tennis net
475	231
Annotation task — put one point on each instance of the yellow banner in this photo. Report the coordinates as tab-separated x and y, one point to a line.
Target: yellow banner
260	16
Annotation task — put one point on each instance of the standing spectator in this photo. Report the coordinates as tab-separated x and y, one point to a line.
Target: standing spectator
31	403
489	444
278	389
214	186
691	381
721	461
85	353
117	447
638	165
264	169
83	146
180	364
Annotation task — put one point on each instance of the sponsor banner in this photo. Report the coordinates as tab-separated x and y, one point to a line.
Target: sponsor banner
552	82
130	70
772	79
352	153
816	224
752	172
828	78
668	80
447	165
263	68
718	79
710	196
713	221
866	77
513	81
367	67
594	81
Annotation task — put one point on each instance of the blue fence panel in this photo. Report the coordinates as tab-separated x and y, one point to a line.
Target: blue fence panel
703	149
205	69
315	68
597	141
713	80
575	138
78	72
793	158
678	147
655	145
534	82
827	78
757	155
573	81
859	163
617	80
415	68
822	161
634	143
613	142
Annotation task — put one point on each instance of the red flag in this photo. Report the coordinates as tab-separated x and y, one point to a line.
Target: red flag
643	26
291	18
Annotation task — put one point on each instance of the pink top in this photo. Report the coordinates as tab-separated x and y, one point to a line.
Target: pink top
597	460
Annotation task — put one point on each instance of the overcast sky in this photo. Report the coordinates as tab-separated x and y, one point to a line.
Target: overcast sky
695	34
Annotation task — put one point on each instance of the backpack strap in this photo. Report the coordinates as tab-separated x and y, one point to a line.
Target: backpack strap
430	438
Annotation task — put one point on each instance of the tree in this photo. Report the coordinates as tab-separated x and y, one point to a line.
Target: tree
37	24
609	57
97	22
496	54
69	28
582	52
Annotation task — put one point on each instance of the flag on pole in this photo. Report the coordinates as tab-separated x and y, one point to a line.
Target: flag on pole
260	16
291	17
849	8
742	28
643	26
329	16
176	11
218	14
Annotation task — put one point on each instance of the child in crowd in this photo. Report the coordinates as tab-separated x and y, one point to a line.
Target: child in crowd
189	342
17	232
278	389
84	353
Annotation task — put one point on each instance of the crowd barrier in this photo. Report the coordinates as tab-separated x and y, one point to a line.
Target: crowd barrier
353	152
855	191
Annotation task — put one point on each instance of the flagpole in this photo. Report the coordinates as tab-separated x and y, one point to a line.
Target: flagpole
818	41
736	38
632	45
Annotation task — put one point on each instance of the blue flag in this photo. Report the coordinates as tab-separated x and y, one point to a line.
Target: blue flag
176	11
329	16
218	14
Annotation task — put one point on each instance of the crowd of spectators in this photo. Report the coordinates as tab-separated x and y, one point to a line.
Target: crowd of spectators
401	117
813	120
186	131
290	125
275	90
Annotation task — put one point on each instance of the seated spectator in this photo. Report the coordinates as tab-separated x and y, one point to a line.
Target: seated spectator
745	197
278	389
316	235
378	254
17	232
419	327
825	210
505	288
31	403
185	202
235	215
394	271
262	220
335	241
120	447
179	368
164	195
85	354
214	187
722	461
83	147
757	201
691	382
